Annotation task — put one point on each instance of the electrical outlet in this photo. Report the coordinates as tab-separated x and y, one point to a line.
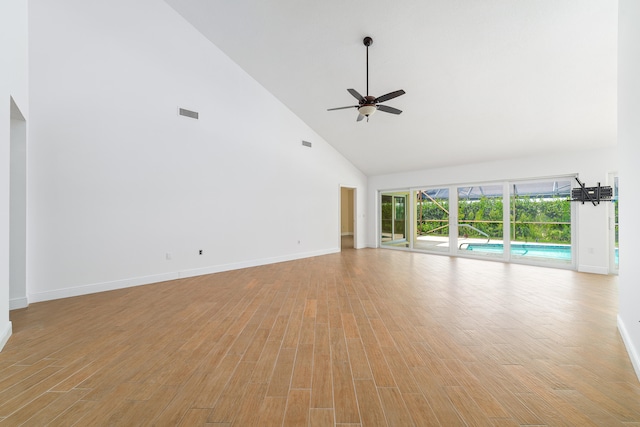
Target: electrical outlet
200	252
168	256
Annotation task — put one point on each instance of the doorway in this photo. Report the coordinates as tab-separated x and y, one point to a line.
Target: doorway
18	210
347	218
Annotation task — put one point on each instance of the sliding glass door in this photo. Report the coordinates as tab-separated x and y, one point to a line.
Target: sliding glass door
614	228
522	221
480	220
432	219
541	221
394	221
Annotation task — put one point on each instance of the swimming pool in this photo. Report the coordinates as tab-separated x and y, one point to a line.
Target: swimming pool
557	252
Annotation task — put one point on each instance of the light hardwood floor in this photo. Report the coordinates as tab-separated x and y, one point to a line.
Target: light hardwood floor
361	338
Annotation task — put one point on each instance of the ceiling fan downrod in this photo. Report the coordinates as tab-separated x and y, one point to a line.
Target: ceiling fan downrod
368	41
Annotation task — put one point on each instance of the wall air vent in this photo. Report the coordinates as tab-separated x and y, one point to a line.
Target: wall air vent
306	144
188	113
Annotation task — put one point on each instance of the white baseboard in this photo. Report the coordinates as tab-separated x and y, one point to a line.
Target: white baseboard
631	349
593	269
253	263
146	280
5	334
17	303
100	287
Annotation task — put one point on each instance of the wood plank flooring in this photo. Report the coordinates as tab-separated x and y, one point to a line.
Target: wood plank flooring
361	338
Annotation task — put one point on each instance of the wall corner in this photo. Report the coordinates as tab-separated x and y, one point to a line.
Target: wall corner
5	335
634	352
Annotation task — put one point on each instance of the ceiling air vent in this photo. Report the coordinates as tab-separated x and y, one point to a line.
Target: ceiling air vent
306	144
188	113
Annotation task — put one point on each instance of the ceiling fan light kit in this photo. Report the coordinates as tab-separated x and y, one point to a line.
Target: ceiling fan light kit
367	105
367	110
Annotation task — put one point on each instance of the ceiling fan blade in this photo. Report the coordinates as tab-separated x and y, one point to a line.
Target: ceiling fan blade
360	117
343	108
389	96
388	109
356	95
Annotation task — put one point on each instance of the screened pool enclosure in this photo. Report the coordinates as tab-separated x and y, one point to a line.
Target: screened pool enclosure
530	221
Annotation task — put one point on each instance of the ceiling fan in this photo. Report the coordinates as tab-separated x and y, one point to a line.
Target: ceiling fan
367	105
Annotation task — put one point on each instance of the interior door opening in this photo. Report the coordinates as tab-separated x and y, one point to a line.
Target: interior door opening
347	218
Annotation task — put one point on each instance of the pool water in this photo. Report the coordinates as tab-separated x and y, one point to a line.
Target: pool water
556	252
559	252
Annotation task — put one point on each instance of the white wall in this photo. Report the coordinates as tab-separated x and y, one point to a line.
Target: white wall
13	84
118	180
18	210
591	167
629	148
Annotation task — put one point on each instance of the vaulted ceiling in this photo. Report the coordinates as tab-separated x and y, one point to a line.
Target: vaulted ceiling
484	79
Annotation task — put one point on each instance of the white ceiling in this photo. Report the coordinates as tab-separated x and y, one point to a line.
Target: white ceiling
484	79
